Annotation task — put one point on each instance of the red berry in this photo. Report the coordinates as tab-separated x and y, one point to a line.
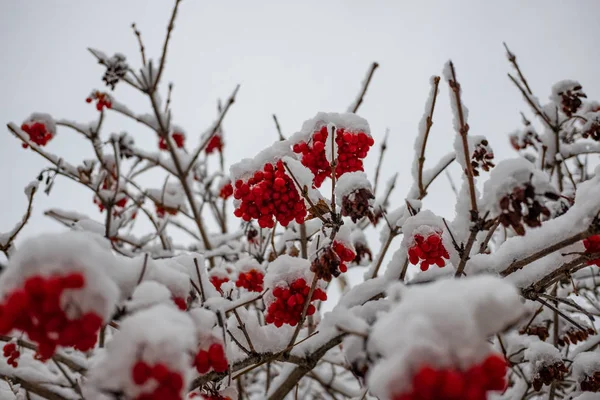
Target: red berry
141	373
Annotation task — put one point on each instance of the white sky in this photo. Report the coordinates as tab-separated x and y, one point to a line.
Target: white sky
292	59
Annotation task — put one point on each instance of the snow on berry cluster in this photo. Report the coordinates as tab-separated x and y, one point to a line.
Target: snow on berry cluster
441	336
168	200
354	195
177	137
210	354
331	258
212	358
143	360
40	127
58	292
269	195
424	239
251	275
352	143
11	353
289	279
102	99
454	384
225	189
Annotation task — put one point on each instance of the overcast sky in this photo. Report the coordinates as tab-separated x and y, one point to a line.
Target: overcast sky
292	58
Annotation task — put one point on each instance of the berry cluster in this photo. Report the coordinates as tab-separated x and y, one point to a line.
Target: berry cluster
591	383
214	397
269	194
352	149
36	310
102	100
289	302
431	250
215	143
177	137
482	158
313	156
549	373
357	205
162	210
38	133
10	351
536	330
213	358
346	255
217	281
251	280
592	245
570	99
180	302
226	191
452	384
362	251
575	335
119	204
523	199
169	383
116	68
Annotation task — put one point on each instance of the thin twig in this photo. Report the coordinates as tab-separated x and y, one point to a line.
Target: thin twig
429	122
163	57
281	137
356	105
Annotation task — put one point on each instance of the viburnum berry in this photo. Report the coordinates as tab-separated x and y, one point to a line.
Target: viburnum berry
39	133
251	280
217	281
453	384
169	384
215	143
592	245
352	149
430	250
214	357
289	303
177	137
331	261
546	374
267	196
180	302
10	351
36	309
226	191
102	100
591	382
162	210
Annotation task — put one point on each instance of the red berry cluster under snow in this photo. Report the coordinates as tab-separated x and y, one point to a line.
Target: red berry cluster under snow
102	100
431	250
217	281
214	358
269	194
38	132
177	137
289	303
162	210
169	383
180	302
352	148
251	280
226	191
453	384
592	245
215	143
36	310
345	254
10	351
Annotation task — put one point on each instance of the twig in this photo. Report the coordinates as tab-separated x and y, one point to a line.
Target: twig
380	161
281	137
464	131
355	106
163	58
513	60
139	39
429	122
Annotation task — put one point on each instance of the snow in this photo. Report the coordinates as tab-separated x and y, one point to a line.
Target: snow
350	182
541	354
146	294
140	337
585	364
270	155
52	254
348	121
285	270
442	324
